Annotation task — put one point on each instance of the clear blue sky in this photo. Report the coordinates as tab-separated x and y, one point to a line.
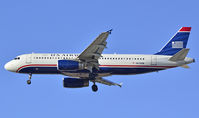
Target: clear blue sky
62	26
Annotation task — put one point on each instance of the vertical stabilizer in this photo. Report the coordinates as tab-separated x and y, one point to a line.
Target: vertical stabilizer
176	43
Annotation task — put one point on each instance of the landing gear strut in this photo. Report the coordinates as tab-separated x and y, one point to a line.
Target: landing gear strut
29	81
92	78
94	87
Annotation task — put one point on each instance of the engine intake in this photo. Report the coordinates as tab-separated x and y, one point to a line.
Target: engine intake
70	65
75	83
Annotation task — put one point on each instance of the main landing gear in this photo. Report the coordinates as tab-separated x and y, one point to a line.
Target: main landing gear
94	87
92	78
29	81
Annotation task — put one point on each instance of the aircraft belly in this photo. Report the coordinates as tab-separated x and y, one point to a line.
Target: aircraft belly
104	71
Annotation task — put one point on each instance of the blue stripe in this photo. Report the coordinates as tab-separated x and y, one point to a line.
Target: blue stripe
53	70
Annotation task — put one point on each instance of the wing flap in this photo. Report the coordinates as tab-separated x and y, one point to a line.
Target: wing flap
107	82
185	66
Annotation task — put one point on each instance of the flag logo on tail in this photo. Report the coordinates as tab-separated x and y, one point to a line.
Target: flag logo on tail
177	44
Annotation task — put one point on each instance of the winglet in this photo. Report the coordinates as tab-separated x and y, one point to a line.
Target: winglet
109	31
120	84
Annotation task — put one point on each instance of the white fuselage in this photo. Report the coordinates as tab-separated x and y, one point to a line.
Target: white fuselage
109	64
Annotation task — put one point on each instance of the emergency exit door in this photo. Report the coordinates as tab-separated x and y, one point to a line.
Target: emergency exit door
154	60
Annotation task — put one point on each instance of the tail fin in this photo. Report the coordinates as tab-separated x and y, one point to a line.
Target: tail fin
176	43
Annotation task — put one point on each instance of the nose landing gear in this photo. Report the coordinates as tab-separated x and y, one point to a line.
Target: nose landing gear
29	81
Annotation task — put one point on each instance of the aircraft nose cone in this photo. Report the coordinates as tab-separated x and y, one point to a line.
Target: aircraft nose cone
8	66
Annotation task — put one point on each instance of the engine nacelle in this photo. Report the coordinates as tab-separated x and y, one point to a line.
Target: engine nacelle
75	83
70	65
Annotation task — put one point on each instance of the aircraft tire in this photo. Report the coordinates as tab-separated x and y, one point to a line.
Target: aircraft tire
94	88
28	82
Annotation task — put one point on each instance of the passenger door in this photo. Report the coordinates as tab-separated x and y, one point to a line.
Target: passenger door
29	58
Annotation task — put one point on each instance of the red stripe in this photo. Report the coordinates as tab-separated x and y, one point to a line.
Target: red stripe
185	29
135	66
35	65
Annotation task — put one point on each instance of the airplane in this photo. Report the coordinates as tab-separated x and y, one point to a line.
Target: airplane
92	66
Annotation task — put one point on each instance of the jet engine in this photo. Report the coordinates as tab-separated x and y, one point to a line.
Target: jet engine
70	65
75	83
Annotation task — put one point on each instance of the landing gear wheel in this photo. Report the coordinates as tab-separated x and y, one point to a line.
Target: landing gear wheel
28	82
94	88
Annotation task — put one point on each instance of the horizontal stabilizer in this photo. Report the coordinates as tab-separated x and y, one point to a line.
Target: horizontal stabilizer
180	56
185	66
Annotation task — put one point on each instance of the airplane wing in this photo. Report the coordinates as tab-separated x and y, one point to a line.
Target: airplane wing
106	82
93	52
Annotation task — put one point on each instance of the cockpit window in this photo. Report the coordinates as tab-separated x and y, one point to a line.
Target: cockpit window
16	58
